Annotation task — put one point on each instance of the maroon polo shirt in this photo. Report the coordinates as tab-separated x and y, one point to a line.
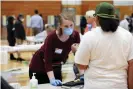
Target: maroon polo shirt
53	51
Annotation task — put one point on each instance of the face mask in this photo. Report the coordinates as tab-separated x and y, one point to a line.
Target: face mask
68	31
89	26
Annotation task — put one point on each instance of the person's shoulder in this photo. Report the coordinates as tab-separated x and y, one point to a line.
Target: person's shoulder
45	32
35	16
32	16
38	16
93	31
93	34
75	32
51	35
123	31
124	21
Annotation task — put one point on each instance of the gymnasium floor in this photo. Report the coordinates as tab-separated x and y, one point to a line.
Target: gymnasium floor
22	75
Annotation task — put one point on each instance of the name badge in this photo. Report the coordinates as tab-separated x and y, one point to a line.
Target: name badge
58	51
13	29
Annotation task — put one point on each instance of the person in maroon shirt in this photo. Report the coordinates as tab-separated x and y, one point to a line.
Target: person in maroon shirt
48	60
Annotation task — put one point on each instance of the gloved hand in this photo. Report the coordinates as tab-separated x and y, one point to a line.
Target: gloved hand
82	77
55	82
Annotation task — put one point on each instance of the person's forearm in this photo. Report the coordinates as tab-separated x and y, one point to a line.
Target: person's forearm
82	68
50	75
130	75
74	47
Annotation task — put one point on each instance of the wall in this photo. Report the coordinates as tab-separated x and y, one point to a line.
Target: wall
77	7
125	10
27	8
91	5
51	8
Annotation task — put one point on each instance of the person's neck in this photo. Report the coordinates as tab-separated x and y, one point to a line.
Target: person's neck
63	37
94	24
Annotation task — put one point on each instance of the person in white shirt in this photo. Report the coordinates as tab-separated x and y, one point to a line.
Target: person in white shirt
127	23
36	23
42	36
91	20
105	54
124	24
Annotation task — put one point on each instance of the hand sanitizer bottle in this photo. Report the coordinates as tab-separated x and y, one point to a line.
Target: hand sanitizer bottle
33	82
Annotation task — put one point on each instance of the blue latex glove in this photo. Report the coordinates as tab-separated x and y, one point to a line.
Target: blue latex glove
55	82
82	78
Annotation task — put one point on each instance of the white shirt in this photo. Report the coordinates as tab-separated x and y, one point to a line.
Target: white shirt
124	24
107	56
80	36
41	36
37	22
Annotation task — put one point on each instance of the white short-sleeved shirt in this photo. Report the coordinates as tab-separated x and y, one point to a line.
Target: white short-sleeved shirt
107	56
41	36
124	24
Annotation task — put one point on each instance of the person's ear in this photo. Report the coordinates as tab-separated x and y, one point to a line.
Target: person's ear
61	26
94	18
97	20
